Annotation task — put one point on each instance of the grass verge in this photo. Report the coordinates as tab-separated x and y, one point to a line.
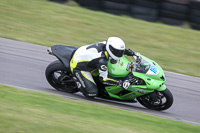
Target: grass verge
35	112
47	23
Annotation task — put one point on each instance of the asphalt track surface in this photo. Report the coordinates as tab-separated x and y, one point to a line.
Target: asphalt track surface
23	65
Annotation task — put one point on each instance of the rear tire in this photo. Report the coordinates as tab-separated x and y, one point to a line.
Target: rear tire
59	77
162	100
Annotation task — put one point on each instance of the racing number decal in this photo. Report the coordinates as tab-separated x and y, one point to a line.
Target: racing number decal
153	69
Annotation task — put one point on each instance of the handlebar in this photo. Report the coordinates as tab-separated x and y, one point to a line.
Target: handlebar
137	62
132	66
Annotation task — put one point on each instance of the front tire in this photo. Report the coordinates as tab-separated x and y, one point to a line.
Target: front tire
157	100
59	77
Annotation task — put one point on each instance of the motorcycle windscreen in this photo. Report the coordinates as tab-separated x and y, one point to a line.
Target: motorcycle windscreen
146	67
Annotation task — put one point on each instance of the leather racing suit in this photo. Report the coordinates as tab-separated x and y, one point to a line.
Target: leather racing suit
85	60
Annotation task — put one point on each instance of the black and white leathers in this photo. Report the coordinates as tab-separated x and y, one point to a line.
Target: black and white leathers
88	58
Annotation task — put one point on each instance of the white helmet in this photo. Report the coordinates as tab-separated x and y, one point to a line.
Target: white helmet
115	47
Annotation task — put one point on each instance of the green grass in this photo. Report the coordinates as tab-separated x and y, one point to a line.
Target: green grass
23	111
46	23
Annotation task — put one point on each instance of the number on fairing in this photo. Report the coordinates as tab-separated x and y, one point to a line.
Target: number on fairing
153	69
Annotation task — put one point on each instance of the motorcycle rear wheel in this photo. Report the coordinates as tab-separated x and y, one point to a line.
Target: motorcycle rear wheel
58	77
157	100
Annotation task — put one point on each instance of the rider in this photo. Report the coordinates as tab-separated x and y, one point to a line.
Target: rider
95	56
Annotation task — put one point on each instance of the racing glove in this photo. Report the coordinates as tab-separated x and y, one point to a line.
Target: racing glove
129	52
136	54
137	57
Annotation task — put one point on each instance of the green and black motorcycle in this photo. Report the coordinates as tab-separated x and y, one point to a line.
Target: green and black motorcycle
146	77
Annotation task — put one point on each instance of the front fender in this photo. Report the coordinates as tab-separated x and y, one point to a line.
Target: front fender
162	88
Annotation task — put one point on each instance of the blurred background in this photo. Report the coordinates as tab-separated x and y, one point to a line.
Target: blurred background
166	31
171	12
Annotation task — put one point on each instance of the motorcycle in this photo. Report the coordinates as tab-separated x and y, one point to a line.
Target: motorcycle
146	77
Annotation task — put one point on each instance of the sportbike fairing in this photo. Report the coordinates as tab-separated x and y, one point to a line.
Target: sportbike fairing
145	66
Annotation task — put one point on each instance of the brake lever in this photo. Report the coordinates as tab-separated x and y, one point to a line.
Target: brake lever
137	62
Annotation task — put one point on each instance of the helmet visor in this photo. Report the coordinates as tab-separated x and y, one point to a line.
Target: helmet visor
116	52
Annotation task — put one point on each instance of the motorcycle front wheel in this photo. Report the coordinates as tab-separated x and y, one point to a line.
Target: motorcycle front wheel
157	100
59	77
